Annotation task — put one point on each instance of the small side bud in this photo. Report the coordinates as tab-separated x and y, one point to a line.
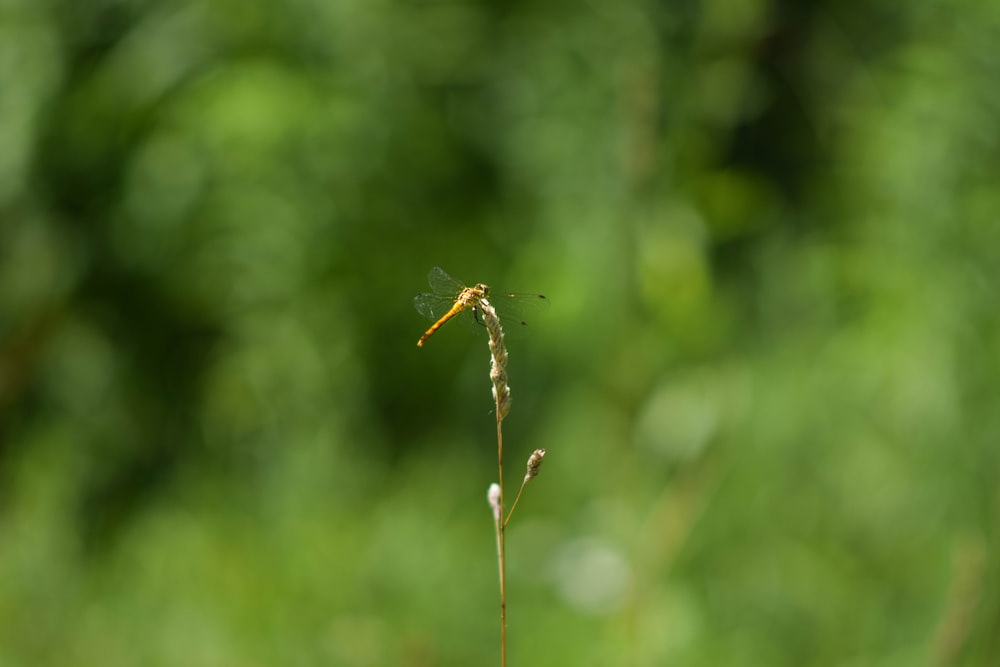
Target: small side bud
493	496
534	463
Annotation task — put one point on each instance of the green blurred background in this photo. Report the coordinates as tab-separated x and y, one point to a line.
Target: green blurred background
767	382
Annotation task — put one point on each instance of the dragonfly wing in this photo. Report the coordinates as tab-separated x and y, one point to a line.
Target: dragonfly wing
515	309
432	306
443	284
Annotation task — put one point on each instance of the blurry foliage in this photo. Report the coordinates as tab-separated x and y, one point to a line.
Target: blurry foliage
767	383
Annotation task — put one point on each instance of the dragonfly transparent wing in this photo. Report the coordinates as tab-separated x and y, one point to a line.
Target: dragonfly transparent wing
515	310
444	290
432	306
442	284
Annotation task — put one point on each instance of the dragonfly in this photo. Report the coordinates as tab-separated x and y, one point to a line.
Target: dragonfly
449	297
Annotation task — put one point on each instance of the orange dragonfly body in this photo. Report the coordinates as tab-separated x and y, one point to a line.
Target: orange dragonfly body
450	297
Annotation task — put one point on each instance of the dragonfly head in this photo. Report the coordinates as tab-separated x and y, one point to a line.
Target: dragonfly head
482	290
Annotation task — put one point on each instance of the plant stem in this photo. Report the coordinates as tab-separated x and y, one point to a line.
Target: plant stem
501	547
513	507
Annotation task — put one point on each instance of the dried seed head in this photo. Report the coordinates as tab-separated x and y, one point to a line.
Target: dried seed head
498	358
